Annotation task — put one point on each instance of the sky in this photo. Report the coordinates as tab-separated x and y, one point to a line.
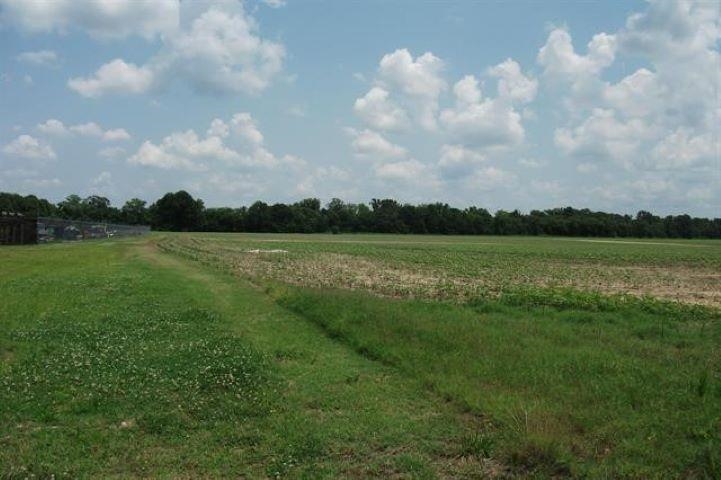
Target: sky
608	105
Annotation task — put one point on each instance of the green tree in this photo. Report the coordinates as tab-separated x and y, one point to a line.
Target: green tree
135	212
177	211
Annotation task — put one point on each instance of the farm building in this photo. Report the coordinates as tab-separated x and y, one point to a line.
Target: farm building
17	229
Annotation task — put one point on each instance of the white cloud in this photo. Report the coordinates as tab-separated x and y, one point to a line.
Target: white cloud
99	18
28	147
457	161
512	83
116	134
411	171
218	128
238	143
603	136
677	29
419	77
41	58
664	115
638	94
419	80
481	122
221	52
111	152
151	155
682	148
373	144
114	77
558	56
188	144
490	178
244	125
53	127
90	129
379	112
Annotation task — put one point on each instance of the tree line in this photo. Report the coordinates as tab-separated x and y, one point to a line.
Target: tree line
179	211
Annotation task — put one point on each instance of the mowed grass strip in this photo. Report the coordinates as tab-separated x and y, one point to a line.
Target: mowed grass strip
116	361
111	369
566	391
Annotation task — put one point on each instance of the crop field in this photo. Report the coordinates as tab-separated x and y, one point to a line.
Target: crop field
436	267
357	356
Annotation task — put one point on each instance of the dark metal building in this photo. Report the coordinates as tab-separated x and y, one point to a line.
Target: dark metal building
17	229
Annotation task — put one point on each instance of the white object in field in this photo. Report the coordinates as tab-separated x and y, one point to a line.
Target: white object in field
257	250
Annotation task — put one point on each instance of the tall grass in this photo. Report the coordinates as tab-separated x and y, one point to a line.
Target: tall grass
618	390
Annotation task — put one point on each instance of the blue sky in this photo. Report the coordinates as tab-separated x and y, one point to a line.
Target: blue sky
606	105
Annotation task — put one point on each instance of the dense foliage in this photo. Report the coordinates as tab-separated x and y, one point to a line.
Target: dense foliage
181	212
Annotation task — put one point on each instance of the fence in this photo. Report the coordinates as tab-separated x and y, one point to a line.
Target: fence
58	229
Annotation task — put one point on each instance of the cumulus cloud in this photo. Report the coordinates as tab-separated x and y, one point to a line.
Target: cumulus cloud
220	52
28	147
53	127
373	144
512	83
603	135
682	148
665	114
405	88
457	161
40	58
244	126
490	178
114	77
218	128
104	19
379	112
111	152
151	155
237	143
91	129
411	171
558	56
419	79
479	122
407	93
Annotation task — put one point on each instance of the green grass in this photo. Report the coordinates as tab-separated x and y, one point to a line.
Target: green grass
118	359
620	393
119	362
447	267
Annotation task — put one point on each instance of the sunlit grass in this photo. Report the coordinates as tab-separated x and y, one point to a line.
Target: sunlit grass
620	392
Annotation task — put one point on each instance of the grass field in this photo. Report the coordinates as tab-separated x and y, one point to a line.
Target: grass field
194	355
